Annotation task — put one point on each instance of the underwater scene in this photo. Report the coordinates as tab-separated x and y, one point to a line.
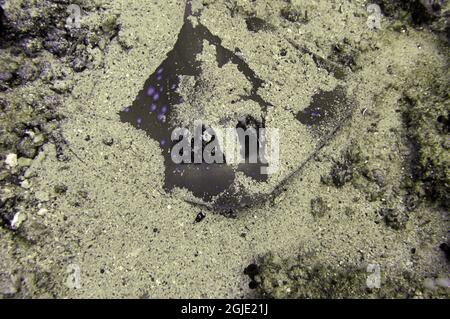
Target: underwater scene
224	149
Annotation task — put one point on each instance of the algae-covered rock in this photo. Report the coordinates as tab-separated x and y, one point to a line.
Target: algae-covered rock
293	13
35	25
303	277
300	278
29	17
394	218
434	13
416	11
343	169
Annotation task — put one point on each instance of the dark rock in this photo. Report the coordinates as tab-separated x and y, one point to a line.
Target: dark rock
412	202
26	148
255	24
251	270
446	249
52	102
33	231
419	11
5	76
27	72
443	123
299	278
341	173
29	17
79	63
378	177
8	208
2	25
394	218
31	46
425	123
110	25
56	42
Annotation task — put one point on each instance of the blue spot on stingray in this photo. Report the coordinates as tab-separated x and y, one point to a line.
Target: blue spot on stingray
139	121
153	108
160	70
159	78
156	97
164	109
150	91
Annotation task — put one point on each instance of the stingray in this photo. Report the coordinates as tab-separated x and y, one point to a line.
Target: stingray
213	185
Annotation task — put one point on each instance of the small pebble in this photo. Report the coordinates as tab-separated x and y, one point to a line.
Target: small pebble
200	216
18	219
42	212
25	184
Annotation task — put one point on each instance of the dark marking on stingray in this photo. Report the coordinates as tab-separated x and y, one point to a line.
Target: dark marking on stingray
153	111
326	112
255	24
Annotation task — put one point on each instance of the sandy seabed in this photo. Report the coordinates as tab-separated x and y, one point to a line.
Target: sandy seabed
121	235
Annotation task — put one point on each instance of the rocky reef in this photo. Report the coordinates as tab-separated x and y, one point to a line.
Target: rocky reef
301	277
419	12
41	50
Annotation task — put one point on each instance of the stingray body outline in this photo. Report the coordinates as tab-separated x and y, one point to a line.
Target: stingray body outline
213	185
152	111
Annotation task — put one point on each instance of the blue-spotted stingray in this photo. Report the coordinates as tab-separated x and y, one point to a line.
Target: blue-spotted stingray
154	112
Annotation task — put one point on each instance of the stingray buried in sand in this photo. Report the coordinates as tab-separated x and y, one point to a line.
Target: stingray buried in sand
161	107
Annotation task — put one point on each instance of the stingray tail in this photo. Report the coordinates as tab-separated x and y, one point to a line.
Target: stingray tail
188	9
